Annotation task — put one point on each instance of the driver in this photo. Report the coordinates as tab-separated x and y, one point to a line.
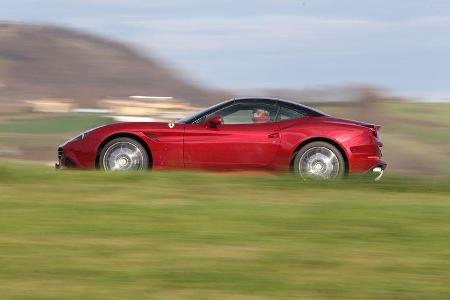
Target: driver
260	116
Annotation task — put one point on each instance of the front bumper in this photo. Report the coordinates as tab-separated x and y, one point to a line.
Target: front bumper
58	164
67	158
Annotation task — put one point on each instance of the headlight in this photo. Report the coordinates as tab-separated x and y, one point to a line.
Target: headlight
78	137
81	136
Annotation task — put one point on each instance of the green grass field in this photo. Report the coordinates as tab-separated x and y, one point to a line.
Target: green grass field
90	235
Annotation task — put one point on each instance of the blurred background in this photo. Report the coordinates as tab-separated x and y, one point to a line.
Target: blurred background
68	67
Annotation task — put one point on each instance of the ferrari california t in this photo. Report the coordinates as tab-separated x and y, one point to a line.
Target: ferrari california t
239	134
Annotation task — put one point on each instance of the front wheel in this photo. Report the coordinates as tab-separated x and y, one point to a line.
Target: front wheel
123	154
319	161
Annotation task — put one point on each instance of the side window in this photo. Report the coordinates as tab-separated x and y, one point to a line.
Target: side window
289	114
248	113
241	116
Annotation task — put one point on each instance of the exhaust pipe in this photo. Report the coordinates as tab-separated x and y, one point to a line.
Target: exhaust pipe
378	172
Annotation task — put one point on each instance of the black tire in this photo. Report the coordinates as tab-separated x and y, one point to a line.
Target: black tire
319	161
123	154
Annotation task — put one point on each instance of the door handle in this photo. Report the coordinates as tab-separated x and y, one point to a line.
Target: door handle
274	135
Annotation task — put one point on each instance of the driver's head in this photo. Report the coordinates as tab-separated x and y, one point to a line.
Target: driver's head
260	116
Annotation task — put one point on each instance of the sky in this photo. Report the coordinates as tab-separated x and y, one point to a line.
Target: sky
400	45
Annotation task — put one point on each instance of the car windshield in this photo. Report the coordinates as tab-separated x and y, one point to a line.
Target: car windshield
190	118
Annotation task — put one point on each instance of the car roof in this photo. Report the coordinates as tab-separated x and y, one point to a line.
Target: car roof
268	99
263	98
279	100
274	100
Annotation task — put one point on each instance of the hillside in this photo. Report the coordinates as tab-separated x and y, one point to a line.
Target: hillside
45	61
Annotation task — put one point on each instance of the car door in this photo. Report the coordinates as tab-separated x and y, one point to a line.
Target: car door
239	143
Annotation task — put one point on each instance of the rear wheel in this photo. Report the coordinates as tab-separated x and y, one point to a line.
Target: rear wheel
319	161
123	154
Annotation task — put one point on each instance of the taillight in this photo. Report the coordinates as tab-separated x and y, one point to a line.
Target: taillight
377	134
374	131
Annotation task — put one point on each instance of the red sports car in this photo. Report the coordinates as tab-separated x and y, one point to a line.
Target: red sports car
239	134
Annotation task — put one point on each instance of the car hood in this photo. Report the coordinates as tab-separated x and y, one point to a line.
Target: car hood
134	126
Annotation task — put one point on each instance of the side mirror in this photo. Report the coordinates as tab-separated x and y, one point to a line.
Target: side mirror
214	121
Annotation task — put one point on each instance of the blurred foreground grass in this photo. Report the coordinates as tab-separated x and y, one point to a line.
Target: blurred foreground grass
90	235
